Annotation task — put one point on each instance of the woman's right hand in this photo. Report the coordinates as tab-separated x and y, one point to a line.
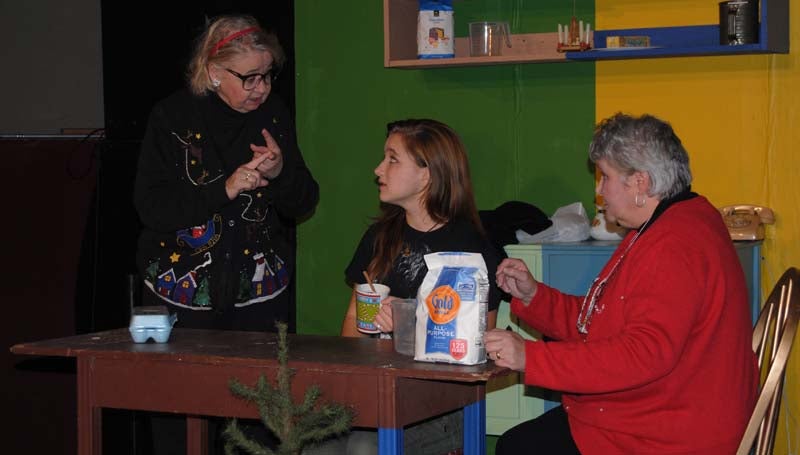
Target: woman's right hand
514	277
246	177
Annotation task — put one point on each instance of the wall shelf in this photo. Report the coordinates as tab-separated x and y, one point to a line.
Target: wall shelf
525	48
400	44
680	42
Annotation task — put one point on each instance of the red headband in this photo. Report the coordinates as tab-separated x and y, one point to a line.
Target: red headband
230	38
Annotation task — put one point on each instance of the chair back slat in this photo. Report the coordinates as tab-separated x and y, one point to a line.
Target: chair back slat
773	337
760	336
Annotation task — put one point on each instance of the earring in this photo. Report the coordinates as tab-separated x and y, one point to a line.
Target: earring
215	83
637	202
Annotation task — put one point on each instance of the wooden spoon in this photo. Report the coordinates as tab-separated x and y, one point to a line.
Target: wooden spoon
369	281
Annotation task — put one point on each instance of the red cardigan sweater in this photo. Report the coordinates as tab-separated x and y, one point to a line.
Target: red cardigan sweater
667	365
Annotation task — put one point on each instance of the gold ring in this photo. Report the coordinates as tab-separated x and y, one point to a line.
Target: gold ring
497	355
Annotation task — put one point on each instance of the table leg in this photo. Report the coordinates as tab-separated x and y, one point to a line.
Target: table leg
196	435
90	430
390	441
475	428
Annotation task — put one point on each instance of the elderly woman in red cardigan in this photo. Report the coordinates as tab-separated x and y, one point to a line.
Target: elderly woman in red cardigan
657	357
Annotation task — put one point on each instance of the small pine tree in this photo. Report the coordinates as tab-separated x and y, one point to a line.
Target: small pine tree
244	287
201	297
295	425
151	272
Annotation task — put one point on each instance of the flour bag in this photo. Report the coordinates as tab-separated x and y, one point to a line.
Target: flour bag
451	316
435	29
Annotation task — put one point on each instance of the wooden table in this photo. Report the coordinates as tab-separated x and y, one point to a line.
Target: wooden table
189	375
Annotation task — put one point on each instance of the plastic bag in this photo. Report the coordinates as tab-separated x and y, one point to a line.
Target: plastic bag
570	224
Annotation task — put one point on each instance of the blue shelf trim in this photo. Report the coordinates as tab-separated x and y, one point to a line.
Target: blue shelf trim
684	36
668	42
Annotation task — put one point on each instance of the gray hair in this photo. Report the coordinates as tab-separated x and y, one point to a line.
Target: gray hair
215	32
643	144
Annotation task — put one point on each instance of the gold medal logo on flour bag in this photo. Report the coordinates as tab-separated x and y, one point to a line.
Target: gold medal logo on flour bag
443	304
451	323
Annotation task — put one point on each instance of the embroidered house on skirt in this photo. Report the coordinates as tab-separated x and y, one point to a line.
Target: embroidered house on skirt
184	291
166	283
179	291
267	282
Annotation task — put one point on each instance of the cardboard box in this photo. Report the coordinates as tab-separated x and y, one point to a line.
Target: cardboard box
627	41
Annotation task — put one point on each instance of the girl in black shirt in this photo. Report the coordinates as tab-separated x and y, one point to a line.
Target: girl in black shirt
427	206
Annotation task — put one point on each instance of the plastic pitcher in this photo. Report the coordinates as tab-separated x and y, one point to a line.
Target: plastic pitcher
486	38
404	319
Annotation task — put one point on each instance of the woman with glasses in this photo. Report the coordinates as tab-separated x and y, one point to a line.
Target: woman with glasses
657	357
220	185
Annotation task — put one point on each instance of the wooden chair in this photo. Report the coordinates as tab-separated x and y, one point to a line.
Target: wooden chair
772	341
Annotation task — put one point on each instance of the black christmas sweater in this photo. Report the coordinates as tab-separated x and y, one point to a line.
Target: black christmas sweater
199	250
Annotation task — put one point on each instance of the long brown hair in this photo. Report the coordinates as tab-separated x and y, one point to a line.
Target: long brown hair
448	196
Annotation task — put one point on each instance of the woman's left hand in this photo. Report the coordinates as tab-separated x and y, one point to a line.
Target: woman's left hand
383	320
506	348
273	165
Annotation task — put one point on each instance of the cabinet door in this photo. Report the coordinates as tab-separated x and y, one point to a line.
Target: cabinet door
571	267
750	258
508	402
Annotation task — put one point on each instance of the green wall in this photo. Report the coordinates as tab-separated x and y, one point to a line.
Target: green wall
526	128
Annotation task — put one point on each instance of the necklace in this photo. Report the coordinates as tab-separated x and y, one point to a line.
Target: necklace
435	225
406	251
596	289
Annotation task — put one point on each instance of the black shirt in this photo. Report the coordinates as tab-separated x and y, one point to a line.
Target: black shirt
409	267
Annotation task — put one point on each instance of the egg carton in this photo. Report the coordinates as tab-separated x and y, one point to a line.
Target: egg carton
151	322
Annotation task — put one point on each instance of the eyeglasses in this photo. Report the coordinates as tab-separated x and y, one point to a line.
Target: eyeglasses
250	81
591	298
589	304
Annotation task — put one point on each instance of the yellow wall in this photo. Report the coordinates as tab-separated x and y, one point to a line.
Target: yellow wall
739	118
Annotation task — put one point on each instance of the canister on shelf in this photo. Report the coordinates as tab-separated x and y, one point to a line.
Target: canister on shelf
435	29
738	22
